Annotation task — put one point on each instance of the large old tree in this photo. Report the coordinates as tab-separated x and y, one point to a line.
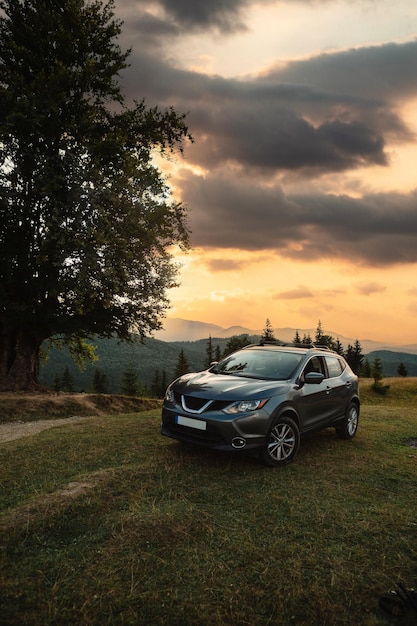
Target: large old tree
87	223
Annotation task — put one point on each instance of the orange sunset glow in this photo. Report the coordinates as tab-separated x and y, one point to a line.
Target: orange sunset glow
301	181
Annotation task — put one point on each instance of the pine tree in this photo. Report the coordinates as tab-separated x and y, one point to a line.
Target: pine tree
100	382
297	338
268	332
366	369
235	343
402	370
319	334
209	353
67	381
156	384
130	382
182	365
354	356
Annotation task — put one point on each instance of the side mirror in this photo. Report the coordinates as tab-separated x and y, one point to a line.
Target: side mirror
314	378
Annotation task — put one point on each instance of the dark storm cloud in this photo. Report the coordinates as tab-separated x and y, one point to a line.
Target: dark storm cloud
224	15
292	119
378	229
187	16
332	113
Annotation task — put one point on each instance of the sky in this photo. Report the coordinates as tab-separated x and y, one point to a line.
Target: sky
301	181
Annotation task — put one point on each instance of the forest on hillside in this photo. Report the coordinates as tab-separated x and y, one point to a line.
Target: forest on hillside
147	368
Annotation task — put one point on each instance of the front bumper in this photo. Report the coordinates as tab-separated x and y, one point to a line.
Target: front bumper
228	433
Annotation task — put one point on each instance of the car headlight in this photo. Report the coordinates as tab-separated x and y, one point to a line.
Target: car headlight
245	406
169	395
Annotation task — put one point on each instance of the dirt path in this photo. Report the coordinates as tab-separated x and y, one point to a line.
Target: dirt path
16	430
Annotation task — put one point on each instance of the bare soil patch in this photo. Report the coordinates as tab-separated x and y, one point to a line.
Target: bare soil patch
23	414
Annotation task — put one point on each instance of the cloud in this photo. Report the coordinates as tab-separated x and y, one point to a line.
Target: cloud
315	116
367	289
223	265
378	229
224	15
294	294
331	113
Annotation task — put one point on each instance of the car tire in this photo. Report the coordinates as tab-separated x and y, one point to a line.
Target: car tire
283	442
348	427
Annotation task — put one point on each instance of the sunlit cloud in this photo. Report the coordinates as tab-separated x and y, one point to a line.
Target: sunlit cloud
367	289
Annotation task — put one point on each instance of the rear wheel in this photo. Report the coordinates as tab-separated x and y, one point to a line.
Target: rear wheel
283	442
347	429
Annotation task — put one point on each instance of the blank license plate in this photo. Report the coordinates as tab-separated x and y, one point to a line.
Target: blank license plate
188	421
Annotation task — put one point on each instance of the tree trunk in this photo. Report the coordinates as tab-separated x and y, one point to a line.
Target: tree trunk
19	358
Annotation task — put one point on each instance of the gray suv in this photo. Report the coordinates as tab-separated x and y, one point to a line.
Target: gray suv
262	399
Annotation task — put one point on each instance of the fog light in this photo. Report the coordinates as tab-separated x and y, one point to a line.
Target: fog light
238	442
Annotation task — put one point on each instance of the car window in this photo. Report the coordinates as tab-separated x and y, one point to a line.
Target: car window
315	364
274	365
334	366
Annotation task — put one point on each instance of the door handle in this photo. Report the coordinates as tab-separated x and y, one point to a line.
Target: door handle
328	390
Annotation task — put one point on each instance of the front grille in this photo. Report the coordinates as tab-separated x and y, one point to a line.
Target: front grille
196	404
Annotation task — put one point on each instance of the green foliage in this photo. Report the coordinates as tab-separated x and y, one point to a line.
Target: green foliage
297	338
131	385
209	353
67	381
182	366
268	332
88	221
377	375
377	369
235	343
354	356
159	384
366	369
402	370
100	381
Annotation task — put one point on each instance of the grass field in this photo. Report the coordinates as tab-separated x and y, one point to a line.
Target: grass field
106	522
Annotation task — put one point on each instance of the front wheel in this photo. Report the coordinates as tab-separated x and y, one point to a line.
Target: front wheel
348	427
283	442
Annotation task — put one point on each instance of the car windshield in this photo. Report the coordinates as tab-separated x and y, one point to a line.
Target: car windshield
274	365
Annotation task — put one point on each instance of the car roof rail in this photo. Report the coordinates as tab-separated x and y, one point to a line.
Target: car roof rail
291	344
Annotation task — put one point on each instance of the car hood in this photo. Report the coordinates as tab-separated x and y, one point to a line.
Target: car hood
227	387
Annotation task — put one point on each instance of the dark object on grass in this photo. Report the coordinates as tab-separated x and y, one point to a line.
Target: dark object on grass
399	602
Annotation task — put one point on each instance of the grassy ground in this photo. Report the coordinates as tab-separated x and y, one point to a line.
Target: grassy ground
106	522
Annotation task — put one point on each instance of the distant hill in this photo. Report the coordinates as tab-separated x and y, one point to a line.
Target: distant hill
391	360
115	358
177	329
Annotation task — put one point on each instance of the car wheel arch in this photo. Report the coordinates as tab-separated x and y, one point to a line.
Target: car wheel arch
286	412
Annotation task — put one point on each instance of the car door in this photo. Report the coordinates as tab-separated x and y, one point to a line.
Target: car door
339	388
313	403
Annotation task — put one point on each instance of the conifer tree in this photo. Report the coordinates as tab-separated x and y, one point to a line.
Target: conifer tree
100	381
209	353
297	338
182	365
67	381
235	343
130	382
268	332
402	370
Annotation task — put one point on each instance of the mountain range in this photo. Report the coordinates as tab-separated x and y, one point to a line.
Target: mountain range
177	329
